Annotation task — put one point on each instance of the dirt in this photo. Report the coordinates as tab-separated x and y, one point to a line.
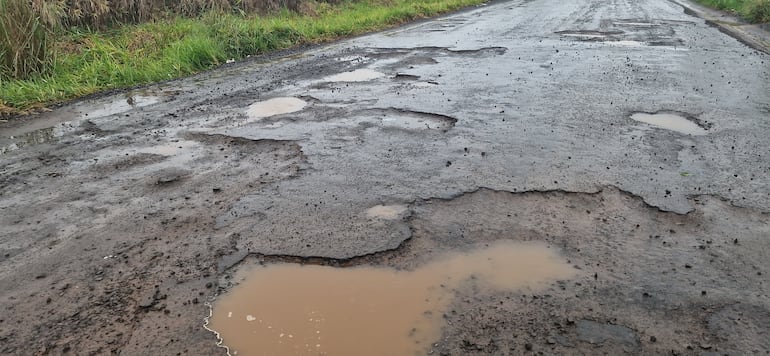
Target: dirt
311	310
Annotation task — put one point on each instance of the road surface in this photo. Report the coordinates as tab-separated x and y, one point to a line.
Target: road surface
124	215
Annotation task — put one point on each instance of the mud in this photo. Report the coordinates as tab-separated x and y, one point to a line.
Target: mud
358	75
310	310
274	106
387	212
118	228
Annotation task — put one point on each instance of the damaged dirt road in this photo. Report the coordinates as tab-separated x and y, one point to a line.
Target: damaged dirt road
627	137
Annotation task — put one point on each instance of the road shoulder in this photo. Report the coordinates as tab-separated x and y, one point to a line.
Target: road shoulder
756	36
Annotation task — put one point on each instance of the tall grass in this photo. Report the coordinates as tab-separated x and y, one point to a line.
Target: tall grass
24	41
91	60
757	10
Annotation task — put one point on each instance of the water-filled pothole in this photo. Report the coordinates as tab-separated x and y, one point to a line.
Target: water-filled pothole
358	75
123	104
292	309
386	212
274	106
670	121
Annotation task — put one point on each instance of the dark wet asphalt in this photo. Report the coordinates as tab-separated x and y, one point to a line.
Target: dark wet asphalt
542	101
527	95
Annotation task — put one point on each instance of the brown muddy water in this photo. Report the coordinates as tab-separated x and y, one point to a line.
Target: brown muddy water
274	106
670	121
291	309
386	212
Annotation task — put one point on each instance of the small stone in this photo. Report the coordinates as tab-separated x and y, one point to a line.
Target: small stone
653	339
528	346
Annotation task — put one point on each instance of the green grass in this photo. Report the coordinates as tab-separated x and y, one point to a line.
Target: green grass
88	61
756	11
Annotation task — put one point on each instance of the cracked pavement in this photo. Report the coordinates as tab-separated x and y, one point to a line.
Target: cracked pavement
123	215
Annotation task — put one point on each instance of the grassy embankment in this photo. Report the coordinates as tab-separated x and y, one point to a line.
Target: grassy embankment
756	11
46	63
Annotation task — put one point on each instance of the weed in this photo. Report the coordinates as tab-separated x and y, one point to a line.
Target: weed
24	41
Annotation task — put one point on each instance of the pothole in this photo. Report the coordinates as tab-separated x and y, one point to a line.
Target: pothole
386	212
274	106
625	43
358	75
168	149
124	104
589	34
317	310
36	137
671	121
412	120
634	24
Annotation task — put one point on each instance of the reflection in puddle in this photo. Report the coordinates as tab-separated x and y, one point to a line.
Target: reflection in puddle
386	212
358	75
122	105
289	309
49	134
670	121
274	106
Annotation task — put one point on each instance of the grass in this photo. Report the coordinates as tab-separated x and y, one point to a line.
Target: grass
756	11
87	61
23	40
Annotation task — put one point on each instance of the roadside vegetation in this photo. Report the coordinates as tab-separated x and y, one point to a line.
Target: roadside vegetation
755	11
54	50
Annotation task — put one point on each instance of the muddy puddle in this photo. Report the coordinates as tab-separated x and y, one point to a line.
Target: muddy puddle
36	137
290	309
386	212
670	121
358	75
274	106
121	105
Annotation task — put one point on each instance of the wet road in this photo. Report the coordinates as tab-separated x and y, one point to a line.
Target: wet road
123	215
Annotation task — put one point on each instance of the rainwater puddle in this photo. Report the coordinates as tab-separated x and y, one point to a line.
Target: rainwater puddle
36	137
274	106
386	212
122	105
290	309
670	121
358	75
